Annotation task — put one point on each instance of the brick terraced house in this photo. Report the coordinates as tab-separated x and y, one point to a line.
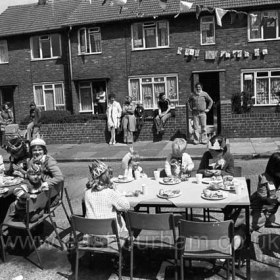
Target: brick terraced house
63	52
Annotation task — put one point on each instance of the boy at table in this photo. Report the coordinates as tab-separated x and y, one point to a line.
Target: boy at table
28	189
217	160
178	162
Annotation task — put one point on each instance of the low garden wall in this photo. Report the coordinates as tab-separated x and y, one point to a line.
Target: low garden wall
249	125
95	131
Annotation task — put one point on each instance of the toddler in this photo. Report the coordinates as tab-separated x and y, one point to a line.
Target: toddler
179	161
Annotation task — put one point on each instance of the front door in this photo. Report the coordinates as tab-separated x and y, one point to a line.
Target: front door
210	82
7	96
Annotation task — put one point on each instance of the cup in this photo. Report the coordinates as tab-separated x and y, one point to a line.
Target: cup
137	174
144	189
198	178
156	175
238	189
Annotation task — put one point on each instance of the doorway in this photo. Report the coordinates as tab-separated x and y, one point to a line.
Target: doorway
7	96
211	85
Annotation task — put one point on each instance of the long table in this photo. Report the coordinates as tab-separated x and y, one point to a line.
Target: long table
190	198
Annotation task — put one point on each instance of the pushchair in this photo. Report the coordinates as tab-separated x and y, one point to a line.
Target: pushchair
18	147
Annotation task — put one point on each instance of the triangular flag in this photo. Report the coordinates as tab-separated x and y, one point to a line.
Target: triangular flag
104	2
196	52
198	9
179	51
184	7
120	2
187	51
253	18
246	54
163	4
191	51
222	53
219	15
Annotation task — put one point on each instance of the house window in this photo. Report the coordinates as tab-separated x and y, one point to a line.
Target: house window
207	30
4	56
264	25
49	96
264	86
46	46
89	40
150	35
146	89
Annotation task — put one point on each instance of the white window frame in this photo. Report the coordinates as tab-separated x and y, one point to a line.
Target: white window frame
155	98
43	85
88	31
205	22
269	76
4	45
92	101
41	38
262	15
148	25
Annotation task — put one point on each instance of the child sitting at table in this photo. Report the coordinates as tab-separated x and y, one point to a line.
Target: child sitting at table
130	164
102	201
178	162
217	160
29	188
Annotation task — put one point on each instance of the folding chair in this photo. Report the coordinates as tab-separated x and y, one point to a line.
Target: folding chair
206	240
151	222
207	211
100	228
32	205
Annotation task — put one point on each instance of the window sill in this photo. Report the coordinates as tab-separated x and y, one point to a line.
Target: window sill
4	63
85	54
41	59
262	40
149	49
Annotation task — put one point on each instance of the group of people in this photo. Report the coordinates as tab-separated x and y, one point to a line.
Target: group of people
128	118
103	201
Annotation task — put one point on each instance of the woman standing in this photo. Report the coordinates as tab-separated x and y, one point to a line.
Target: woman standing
128	120
114	112
33	126
6	118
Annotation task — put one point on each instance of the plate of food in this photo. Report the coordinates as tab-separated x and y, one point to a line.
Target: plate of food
169	193
169	181
11	181
213	195
123	179
3	190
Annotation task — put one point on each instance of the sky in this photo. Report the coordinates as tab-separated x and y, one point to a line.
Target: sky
5	3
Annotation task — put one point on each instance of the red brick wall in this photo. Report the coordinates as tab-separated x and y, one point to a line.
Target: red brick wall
95	131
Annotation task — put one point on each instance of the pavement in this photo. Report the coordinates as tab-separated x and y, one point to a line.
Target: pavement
241	148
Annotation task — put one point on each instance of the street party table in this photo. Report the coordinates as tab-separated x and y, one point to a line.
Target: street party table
191	196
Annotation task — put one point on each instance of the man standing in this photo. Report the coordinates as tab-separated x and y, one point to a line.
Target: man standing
200	104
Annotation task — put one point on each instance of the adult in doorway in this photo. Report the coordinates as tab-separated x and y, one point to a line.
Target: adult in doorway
164	113
101	101
200	104
128	120
114	112
6	118
34	125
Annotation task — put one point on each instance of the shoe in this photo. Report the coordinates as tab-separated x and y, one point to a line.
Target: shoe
114	143
110	143
204	142
195	142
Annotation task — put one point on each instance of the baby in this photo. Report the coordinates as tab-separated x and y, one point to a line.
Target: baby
179	162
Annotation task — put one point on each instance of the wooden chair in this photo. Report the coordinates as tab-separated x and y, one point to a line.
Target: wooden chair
208	211
32	205
100	228
151	222
206	240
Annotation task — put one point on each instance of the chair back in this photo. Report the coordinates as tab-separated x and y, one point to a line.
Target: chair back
206	230
40	202
148	221
248	183
94	226
68	200
237	171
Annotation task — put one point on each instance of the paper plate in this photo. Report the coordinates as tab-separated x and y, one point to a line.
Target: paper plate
121	180
213	198
172	181
170	194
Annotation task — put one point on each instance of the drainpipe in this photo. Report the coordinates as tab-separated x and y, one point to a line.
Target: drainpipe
70	64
